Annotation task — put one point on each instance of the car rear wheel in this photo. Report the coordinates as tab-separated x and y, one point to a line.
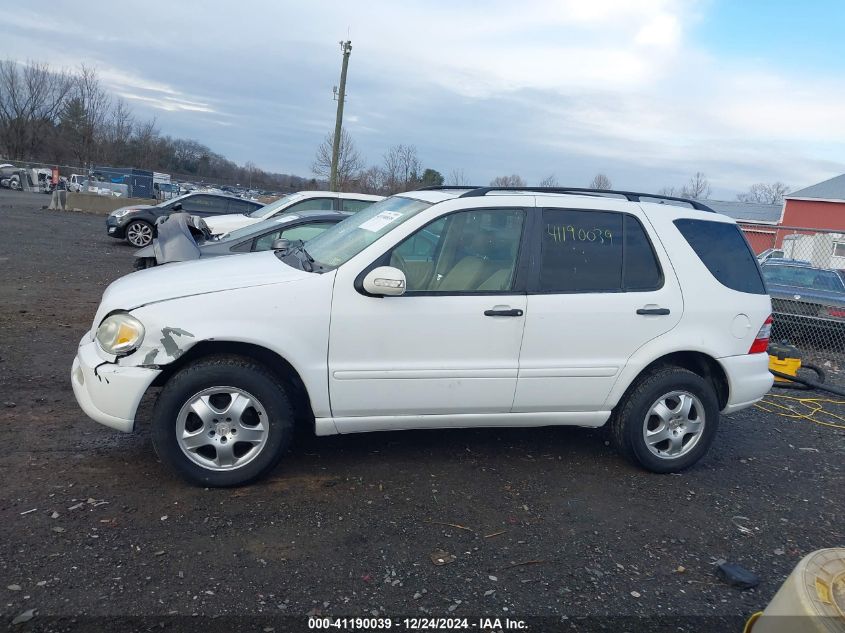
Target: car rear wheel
139	233
667	421
222	421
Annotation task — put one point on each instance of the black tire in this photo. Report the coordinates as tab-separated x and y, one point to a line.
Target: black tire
141	228
219	371
629	418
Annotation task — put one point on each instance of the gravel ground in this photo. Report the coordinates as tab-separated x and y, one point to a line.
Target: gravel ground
541	522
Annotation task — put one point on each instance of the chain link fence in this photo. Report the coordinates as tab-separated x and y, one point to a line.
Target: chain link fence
804	270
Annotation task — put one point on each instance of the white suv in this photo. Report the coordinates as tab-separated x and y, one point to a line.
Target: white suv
439	309
292	203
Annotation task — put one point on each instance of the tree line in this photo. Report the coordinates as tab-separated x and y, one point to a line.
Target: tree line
67	117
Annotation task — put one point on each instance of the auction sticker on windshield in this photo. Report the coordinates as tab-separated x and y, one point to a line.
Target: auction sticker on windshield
380	221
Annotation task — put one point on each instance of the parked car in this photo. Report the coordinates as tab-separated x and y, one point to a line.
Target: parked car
295	202
136	223
184	237
805	297
512	310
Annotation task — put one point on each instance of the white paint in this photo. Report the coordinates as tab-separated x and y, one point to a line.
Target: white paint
416	361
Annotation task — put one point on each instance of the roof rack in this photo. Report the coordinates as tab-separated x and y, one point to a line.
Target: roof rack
447	187
632	196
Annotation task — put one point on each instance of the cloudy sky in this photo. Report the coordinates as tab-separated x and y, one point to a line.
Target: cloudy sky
646	91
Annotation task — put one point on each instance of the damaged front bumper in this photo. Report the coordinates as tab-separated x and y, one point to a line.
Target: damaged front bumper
108	393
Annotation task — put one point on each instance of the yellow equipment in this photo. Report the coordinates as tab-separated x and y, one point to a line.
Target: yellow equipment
785	359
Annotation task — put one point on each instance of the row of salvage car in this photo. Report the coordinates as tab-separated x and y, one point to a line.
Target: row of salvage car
199	225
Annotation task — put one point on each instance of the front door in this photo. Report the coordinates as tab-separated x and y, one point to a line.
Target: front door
601	289
450	344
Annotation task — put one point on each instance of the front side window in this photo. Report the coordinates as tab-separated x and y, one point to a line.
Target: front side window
315	204
469	251
839	249
302	232
345	240
596	251
270	209
199	204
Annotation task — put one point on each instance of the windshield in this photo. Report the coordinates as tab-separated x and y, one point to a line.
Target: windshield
258	227
269	209
343	241
803	277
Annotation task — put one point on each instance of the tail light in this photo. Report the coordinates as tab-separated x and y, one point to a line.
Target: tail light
837	313
761	342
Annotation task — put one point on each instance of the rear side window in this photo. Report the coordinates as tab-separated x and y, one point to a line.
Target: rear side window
726	253
596	251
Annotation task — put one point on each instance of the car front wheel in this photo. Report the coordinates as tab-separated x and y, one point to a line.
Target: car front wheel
139	233
667	421
222	421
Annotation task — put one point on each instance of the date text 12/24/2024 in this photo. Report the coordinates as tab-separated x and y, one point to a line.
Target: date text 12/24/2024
417	624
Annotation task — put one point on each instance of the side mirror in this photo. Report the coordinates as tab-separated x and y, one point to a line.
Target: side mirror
385	281
176	207
280	244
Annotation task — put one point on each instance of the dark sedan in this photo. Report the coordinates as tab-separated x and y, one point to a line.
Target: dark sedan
805	297
183	237
136	223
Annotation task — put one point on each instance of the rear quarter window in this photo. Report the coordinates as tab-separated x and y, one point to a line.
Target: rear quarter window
725	252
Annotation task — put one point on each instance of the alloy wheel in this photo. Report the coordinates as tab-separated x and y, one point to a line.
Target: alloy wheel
674	424
222	428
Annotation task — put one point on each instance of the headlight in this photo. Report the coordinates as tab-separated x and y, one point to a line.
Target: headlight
121	212
120	334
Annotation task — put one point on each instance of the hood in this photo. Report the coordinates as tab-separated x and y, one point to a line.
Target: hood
229	222
202	276
133	206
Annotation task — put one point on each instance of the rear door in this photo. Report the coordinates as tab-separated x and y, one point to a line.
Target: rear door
601	287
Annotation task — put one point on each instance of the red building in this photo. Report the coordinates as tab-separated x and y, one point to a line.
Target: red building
817	210
820	206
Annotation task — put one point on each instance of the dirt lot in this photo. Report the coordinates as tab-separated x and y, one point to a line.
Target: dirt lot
554	524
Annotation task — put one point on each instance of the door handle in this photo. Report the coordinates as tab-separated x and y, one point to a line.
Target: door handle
657	311
512	312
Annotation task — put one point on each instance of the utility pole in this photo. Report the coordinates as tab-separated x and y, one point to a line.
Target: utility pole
340	94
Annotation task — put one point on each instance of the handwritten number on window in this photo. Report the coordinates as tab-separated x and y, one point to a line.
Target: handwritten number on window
563	233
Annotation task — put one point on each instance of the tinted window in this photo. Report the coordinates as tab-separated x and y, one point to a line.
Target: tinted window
470	251
241	206
202	204
320	204
642	272
724	250
596	251
581	251
354	205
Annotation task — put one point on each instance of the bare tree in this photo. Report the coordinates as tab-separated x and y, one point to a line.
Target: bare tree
457	177
514	180
349	163
370	180
549	181
668	191
601	181
768	193
401	169
117	132
83	118
697	187
31	97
